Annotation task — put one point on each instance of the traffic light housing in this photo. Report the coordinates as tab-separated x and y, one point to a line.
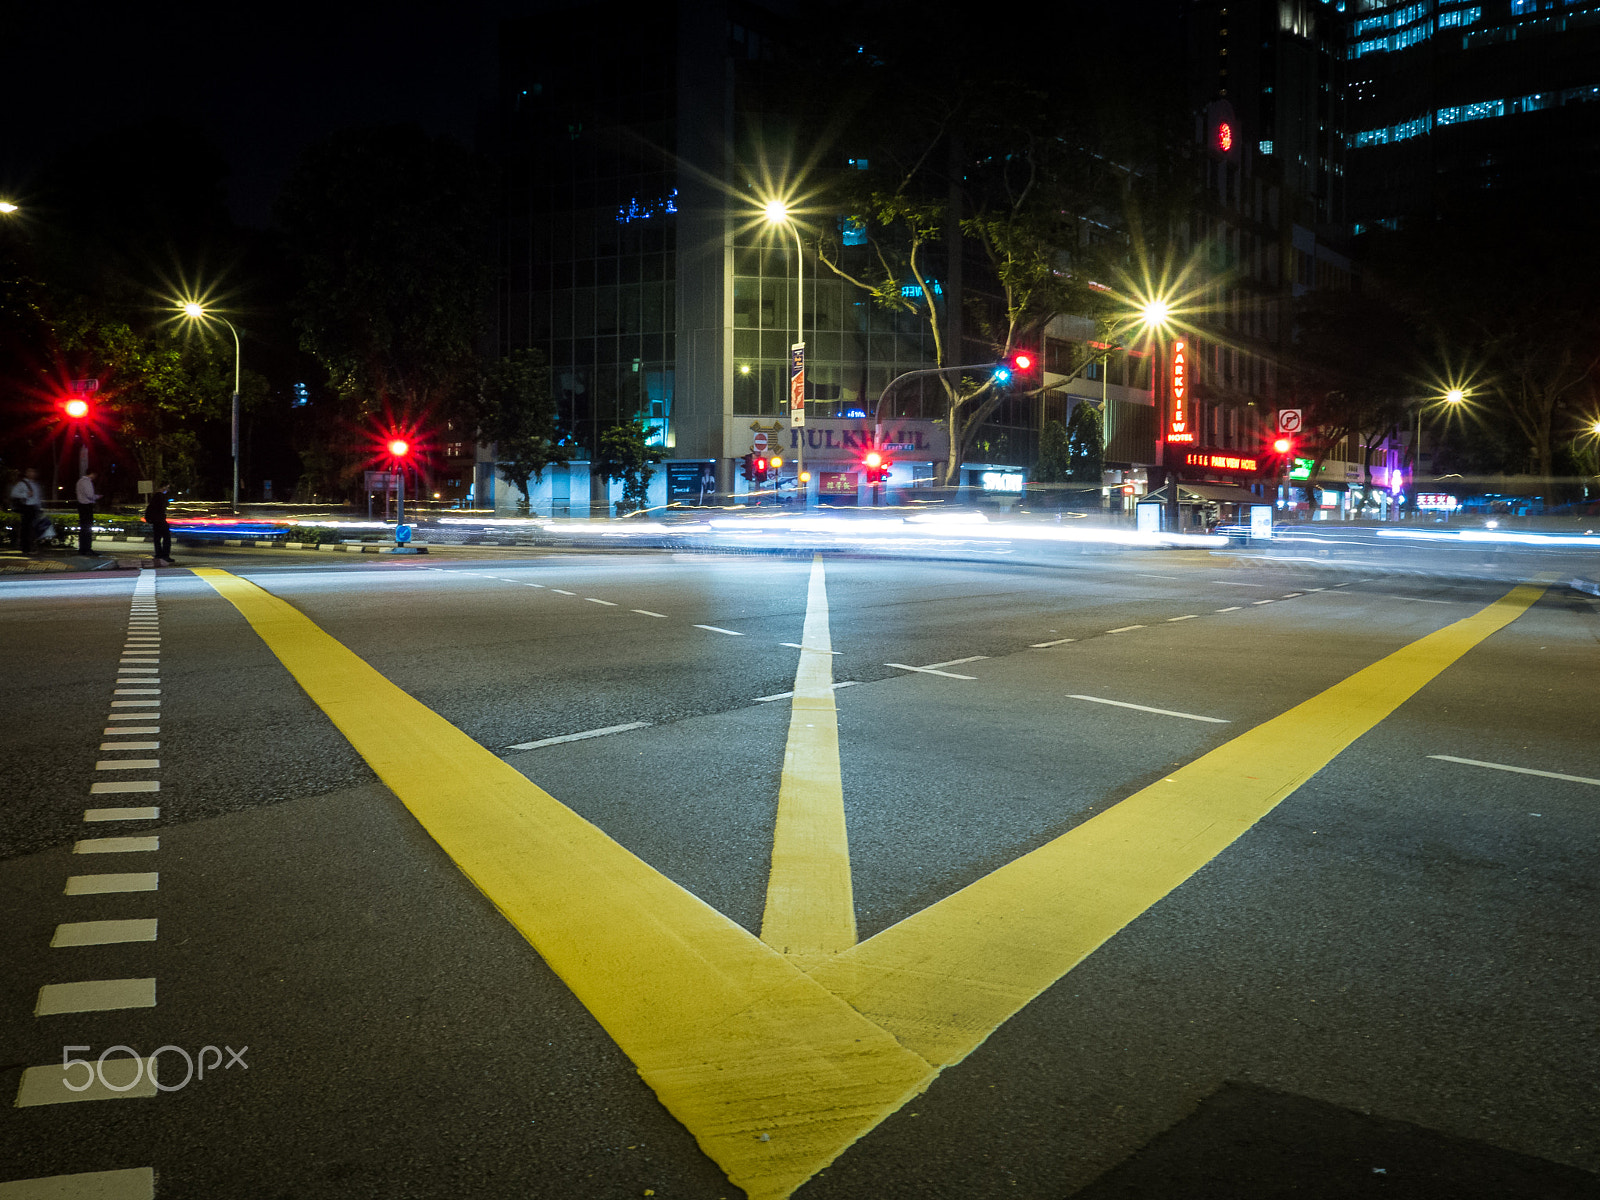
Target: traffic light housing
747	469
876	466
1016	368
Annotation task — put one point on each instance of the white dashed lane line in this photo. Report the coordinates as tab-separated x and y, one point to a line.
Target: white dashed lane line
100	885
1125	629
1473	762
607	603
104	933
1189	617
934	668
1047	645
785	695
95	995
117	845
579	737
719	629
645	612
1164	712
1235	608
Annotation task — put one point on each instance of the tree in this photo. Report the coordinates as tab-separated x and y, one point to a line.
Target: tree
1055	454
1007	163
1517	297
1086	434
625	455
388	228
517	413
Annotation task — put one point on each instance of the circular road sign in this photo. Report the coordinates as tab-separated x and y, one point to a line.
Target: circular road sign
1289	420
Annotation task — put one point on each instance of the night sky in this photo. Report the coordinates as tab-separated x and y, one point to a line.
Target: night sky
262	80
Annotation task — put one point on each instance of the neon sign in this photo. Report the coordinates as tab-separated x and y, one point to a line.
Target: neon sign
1221	462
1179	430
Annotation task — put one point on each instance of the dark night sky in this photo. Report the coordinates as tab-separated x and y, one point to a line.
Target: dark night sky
262	79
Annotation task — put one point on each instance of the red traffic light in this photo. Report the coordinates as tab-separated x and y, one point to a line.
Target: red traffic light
872	459
1022	362
76	409
399	447
1283	445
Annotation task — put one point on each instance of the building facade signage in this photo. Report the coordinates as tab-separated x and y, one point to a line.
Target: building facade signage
797	385
1222	460
1179	428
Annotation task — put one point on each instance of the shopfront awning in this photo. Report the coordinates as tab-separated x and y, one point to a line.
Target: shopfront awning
1198	493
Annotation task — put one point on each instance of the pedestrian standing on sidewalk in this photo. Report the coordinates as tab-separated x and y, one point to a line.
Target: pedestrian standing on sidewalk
155	514
87	495
28	499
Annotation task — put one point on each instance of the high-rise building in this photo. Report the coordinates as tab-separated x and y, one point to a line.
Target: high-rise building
1456	103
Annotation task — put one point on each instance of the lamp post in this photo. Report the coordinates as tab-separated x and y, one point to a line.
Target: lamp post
1452	397
197	312
777	213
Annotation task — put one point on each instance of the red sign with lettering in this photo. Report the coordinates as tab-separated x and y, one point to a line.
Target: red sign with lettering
1221	461
1179	429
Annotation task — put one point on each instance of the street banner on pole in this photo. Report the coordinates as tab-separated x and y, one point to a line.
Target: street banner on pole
797	385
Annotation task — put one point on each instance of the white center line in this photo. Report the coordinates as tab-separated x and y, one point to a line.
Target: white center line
1164	712
1472	762
1125	629
929	671
1047	645
1235	608
578	737
717	629
786	695
608	603
1190	617
645	612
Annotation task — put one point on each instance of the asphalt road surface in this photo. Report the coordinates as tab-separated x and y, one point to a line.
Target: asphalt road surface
504	874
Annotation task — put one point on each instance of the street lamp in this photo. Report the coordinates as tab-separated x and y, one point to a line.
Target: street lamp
197	312
1154	313
7	208
776	212
1452	397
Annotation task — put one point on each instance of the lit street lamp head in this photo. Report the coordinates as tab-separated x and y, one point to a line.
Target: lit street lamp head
7	208
1155	312
1454	396
193	310
776	211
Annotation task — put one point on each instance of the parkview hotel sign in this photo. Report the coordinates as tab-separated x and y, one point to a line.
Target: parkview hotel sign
838	439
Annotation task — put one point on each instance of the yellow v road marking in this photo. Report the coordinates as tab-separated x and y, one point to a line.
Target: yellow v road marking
735	1039
731	1035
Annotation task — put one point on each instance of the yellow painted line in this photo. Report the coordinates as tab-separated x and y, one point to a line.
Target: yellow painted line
943	980
810	908
735	1040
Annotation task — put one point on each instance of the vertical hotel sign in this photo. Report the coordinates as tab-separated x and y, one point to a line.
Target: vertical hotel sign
1179	428
797	385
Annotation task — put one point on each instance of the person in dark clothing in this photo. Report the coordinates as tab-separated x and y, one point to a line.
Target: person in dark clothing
88	495
28	499
155	515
